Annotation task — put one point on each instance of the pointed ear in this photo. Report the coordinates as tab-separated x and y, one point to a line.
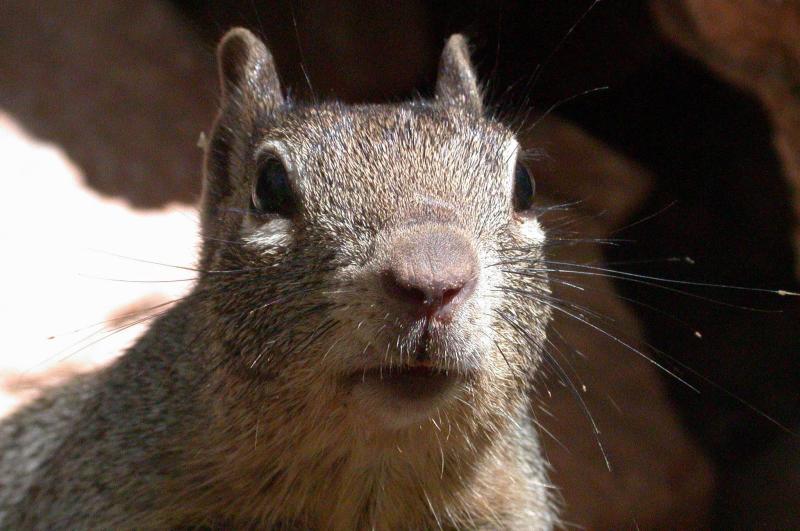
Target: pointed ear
246	67
456	81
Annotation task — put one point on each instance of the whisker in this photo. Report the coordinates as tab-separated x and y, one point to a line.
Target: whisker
646	218
137	281
565	377
186	268
564	101
682	282
558	307
118	318
636	280
96	341
540	67
636	302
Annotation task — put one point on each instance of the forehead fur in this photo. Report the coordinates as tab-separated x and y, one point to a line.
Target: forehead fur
379	162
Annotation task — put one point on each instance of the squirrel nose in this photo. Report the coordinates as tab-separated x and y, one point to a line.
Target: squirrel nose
431	271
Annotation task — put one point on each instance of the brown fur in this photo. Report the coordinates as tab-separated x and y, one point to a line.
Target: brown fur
240	407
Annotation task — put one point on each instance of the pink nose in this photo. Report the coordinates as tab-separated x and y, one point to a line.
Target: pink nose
432	270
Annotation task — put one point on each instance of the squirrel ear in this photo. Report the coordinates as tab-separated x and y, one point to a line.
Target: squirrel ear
456	81
246	67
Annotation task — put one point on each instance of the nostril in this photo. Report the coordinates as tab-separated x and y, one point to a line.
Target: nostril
452	298
450	294
433	298
404	292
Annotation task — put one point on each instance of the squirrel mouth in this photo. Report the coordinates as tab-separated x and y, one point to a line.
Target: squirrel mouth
412	390
409	383
418	379
399	395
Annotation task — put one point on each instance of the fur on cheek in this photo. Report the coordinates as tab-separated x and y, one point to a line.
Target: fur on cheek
275	233
531	230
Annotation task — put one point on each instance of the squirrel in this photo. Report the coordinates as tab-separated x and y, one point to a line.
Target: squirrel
358	349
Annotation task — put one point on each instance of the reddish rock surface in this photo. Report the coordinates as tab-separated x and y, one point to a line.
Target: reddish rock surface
124	89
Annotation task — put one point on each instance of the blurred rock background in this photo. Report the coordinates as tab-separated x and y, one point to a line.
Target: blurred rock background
684	167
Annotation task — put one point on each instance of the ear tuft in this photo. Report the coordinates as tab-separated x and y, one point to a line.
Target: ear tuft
456	82
247	67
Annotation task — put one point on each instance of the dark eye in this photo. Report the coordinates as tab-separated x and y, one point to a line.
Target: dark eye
524	188
272	193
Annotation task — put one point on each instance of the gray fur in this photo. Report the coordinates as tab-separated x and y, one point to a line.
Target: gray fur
236	408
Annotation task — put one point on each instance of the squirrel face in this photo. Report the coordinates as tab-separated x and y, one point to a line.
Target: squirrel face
366	249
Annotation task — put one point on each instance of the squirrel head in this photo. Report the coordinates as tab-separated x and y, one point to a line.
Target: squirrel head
380	256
